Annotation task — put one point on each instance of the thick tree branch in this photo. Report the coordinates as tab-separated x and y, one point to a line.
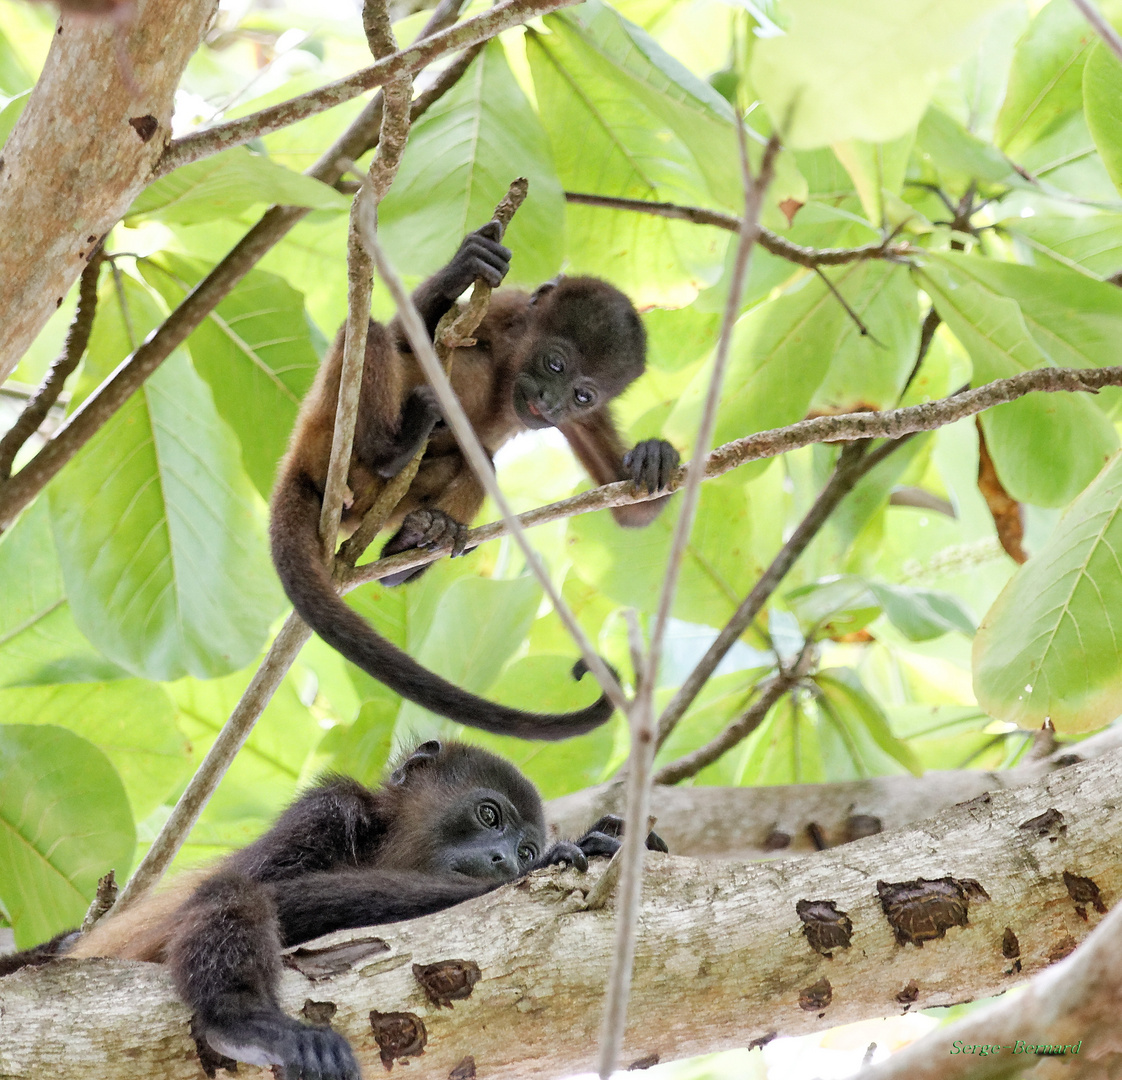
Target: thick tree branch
408	61
273	226
722	957
82	150
812	258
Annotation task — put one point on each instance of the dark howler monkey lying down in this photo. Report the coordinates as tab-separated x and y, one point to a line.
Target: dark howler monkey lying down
451	823
556	358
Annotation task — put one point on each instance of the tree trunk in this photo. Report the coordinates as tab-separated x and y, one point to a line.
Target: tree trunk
1013	882
83	149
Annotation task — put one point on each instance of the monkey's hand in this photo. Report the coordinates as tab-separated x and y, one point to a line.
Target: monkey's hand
480	256
604	838
267	1038
651	464
426	529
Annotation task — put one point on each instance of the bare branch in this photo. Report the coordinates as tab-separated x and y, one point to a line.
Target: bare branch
77	338
768	694
477	457
83	424
811	258
766	444
408	61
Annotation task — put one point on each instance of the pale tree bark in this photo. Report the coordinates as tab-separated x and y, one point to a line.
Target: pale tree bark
83	149
722	955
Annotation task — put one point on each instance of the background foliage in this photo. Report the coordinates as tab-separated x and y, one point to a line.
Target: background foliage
136	595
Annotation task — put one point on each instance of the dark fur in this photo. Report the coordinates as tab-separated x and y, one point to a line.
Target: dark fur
505	386
341	856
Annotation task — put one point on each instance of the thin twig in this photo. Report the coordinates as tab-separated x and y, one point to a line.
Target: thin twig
1107	32
926	336
102	902
768	694
408	61
862	329
769	241
77	338
641	759
477	457
273	226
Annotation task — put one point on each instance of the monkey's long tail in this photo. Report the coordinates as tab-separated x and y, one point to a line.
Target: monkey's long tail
293	531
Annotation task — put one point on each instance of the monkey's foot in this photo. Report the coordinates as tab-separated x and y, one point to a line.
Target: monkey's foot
651	464
423	530
302	1052
604	837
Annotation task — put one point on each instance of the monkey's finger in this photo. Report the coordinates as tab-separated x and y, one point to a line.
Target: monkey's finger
656	843
596	843
609	825
493	230
668	461
459	542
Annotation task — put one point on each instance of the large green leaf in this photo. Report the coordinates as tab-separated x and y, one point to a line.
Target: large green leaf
1102	89
734	537
1049	648
161	544
1094	241
824	80
64	822
1022	436
39	640
476	627
625	119
131	722
1045	83
227	185
255	350
460	158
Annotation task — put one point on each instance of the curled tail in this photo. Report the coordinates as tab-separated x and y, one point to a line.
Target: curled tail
293	531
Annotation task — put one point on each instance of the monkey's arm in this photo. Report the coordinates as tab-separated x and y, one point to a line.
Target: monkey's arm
480	255
225	959
335	823
649	464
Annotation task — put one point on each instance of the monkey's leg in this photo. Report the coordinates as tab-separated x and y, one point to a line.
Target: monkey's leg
225	959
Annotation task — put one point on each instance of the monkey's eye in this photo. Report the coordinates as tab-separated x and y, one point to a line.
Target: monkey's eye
554	364
527	853
583	396
488	814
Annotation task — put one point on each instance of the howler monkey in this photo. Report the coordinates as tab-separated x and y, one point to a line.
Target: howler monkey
452	822
554	358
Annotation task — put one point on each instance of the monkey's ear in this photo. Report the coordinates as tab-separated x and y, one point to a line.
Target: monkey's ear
546	287
420	757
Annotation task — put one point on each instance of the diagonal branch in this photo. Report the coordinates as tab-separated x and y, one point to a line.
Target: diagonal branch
769	241
408	61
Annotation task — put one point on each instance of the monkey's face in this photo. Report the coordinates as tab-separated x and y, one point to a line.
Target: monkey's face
552	388
482	834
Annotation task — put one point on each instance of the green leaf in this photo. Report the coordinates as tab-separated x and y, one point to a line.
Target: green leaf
39	640
1045	83
256	352
824	80
1093	242
735	535
227	185
131	722
860	724
922	614
64	822
1023	435
958	156
160	540
833	606
460	158
1049	647
625	119
478	623
1102	85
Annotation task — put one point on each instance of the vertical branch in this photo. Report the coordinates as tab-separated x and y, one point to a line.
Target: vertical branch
1101	27
77	338
477	457
642	716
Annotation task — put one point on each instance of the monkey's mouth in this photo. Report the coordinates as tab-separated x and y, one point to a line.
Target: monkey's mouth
528	411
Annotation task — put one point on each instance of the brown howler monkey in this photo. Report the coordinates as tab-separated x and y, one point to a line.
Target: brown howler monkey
555	358
451	823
